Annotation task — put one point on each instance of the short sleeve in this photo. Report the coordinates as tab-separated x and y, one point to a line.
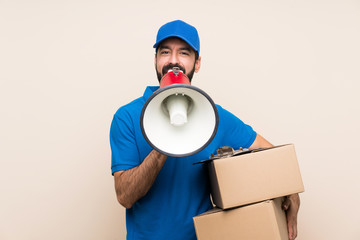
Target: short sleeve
234	131
124	151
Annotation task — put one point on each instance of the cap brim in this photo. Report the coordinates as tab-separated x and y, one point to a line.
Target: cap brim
156	45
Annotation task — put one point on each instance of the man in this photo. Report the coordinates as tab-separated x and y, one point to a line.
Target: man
162	194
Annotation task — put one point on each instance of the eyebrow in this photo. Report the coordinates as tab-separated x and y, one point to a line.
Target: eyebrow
163	47
181	49
186	48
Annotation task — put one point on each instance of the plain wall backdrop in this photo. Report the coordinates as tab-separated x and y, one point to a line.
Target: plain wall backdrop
288	68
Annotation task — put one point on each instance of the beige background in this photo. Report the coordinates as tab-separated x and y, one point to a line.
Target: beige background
288	68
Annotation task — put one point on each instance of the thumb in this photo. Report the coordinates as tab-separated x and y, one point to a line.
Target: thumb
286	203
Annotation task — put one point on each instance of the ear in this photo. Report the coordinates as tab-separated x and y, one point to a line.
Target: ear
198	64
155	60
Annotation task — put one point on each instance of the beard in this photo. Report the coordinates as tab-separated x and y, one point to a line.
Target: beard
166	68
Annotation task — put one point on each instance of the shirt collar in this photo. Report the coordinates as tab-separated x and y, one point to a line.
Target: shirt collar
149	91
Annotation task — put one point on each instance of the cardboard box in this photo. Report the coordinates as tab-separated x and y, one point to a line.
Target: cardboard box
264	220
254	177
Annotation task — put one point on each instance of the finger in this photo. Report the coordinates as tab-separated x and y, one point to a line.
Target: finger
292	229
286	204
291	215
292	223
290	233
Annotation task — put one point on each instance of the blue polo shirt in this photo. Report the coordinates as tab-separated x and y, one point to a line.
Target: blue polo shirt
181	190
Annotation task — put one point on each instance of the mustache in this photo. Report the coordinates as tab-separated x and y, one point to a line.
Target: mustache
166	68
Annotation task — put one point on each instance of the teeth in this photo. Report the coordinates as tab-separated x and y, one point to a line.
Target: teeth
171	70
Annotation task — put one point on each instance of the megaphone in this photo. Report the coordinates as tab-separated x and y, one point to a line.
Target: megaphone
178	119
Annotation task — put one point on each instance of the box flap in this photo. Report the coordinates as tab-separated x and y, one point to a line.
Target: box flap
237	153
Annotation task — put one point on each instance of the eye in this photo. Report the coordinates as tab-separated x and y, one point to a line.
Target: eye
164	52
185	53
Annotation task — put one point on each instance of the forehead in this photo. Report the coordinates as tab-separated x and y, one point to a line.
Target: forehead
174	42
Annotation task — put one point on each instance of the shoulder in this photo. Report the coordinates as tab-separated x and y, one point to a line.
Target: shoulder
225	114
233	131
134	107
131	107
127	114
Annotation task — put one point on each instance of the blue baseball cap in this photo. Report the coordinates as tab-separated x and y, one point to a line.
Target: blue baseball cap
181	30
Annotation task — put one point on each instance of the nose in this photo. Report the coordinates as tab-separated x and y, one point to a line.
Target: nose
174	58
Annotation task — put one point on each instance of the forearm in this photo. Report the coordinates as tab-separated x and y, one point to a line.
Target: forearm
133	184
260	142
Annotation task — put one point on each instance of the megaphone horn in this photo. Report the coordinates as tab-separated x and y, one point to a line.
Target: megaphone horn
178	119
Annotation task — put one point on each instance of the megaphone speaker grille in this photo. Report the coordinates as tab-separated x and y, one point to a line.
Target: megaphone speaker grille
185	137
